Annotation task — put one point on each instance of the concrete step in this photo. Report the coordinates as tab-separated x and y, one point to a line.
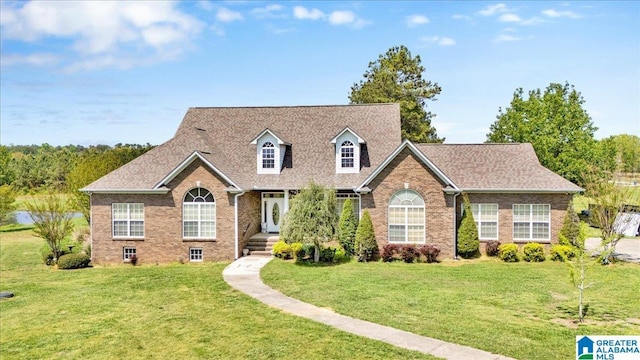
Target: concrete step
259	247
260	253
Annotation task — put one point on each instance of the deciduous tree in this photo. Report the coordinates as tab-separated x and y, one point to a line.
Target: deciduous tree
556	124
396	77
311	218
7	207
52	221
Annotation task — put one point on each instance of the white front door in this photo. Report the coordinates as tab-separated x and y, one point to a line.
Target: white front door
273	211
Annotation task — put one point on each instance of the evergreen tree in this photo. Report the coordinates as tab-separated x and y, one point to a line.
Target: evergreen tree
468	240
570	227
397	77
347	227
366	245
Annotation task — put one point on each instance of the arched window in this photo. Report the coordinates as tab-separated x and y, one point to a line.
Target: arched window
268	156
347	154
406	217
199	215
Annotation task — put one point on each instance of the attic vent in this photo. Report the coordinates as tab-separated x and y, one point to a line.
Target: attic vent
205	152
200	129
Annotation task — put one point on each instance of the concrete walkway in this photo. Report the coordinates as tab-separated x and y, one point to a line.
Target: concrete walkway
628	249
244	275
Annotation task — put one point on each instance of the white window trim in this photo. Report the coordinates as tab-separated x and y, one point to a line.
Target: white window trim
127	256
406	220
531	222
199	208
191	254
128	220
479	221
356	146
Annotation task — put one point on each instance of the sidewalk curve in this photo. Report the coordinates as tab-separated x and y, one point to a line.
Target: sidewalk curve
244	275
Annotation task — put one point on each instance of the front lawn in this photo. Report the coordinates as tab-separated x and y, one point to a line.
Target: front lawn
522	310
180	311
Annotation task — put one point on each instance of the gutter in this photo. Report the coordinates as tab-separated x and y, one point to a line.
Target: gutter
455	222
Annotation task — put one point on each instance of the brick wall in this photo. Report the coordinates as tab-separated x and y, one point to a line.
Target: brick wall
405	168
162	240
558	204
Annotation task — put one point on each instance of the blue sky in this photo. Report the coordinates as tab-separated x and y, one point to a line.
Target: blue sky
100	72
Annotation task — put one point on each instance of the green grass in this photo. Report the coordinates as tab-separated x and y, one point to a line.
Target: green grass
522	310
160	312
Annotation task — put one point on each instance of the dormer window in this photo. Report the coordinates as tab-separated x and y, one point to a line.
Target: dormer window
270	152
348	147
268	156
347	152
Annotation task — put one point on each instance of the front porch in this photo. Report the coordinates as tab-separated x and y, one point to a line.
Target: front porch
262	243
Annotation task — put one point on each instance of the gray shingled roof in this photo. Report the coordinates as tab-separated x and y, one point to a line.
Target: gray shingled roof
498	167
223	137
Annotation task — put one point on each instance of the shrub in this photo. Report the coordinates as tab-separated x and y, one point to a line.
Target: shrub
297	249
47	254
408	253
133	260
327	254
508	252
492	247
533	252
430	252
570	227
366	246
309	250
73	261
389	251
468	241
347	227
341	256
281	250
562	252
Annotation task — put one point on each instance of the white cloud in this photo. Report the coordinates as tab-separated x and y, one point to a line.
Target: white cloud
269	11
121	30
416	20
225	15
509	18
461	17
302	13
533	21
342	17
36	59
506	38
439	40
493	9
556	14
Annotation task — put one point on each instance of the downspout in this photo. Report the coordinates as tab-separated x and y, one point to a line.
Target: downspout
235	211
455	223
91	224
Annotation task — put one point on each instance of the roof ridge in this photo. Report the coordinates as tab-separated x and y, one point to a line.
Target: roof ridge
290	106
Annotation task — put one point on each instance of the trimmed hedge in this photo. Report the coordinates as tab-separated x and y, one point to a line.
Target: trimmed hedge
282	250
73	261
562	252
533	252
410	253
508	252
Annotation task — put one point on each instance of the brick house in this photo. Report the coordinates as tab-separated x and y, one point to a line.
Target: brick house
223	183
